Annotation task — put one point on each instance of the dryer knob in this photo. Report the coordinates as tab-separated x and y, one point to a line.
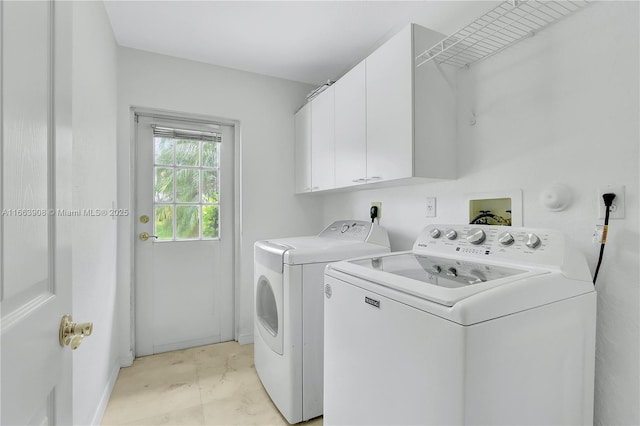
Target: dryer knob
436	269
476	236
532	241
451	234
435	233
452	272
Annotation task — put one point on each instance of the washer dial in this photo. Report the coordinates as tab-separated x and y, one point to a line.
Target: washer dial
532	241
476	236
506	239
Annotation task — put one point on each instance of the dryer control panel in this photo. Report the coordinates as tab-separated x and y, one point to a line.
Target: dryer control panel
352	230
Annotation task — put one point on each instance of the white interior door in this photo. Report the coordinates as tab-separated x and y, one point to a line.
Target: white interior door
36	182
184	270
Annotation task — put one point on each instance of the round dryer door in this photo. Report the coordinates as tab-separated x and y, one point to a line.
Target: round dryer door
268	316
268	293
266	307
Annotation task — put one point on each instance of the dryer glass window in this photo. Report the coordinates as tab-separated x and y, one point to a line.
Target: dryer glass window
266	307
438	271
186	189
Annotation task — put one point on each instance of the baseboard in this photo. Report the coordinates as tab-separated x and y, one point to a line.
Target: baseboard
127	360
104	400
245	339
186	344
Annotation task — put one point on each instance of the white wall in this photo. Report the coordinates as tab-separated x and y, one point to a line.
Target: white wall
95	363
562	106
264	106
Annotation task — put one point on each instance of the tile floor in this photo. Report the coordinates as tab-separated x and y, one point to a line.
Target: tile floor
208	385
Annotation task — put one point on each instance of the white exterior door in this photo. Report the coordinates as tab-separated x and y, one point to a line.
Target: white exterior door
184	202
36	182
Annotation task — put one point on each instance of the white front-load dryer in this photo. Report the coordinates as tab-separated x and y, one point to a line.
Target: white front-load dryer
288	316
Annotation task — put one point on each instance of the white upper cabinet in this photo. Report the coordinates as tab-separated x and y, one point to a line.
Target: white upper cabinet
390	109
388	121
323	141
411	115
351	128
303	149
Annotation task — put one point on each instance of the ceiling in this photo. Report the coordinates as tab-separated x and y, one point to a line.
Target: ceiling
306	41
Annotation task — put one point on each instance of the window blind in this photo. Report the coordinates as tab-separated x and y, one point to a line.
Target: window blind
168	132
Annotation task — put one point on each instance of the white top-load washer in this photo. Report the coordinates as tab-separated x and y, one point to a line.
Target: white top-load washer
476	325
288	336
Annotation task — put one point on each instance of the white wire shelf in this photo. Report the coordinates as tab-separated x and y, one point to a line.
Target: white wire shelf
498	29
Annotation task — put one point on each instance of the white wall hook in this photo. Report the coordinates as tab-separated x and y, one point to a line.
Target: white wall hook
556	198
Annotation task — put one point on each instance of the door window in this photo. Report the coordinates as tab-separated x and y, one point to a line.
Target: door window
186	201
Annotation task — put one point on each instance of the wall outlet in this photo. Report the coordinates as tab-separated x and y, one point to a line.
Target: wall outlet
617	207
378	204
431	207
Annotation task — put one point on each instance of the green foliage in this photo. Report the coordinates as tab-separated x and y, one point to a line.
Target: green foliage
187	188
210	221
187	222
164	222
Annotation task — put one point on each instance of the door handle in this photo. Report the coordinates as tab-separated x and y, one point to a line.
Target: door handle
72	333
144	236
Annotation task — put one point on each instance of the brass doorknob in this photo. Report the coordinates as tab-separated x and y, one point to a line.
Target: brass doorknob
144	236
72	333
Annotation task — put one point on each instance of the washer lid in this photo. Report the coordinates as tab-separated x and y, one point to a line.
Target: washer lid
438	271
445	281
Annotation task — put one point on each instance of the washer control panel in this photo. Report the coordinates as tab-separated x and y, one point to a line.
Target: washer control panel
498	242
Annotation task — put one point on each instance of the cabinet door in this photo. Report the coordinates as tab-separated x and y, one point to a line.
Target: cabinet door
303	149
351	127
390	109
322	141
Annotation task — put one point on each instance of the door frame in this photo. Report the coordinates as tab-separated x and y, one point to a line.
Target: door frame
237	204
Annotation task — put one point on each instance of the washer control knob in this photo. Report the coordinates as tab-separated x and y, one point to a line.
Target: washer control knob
476	236
436	269
344	228
505	239
532	241
435	233
451	234
452	271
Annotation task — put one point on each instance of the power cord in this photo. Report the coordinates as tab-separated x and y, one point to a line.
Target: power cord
373	213
608	200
